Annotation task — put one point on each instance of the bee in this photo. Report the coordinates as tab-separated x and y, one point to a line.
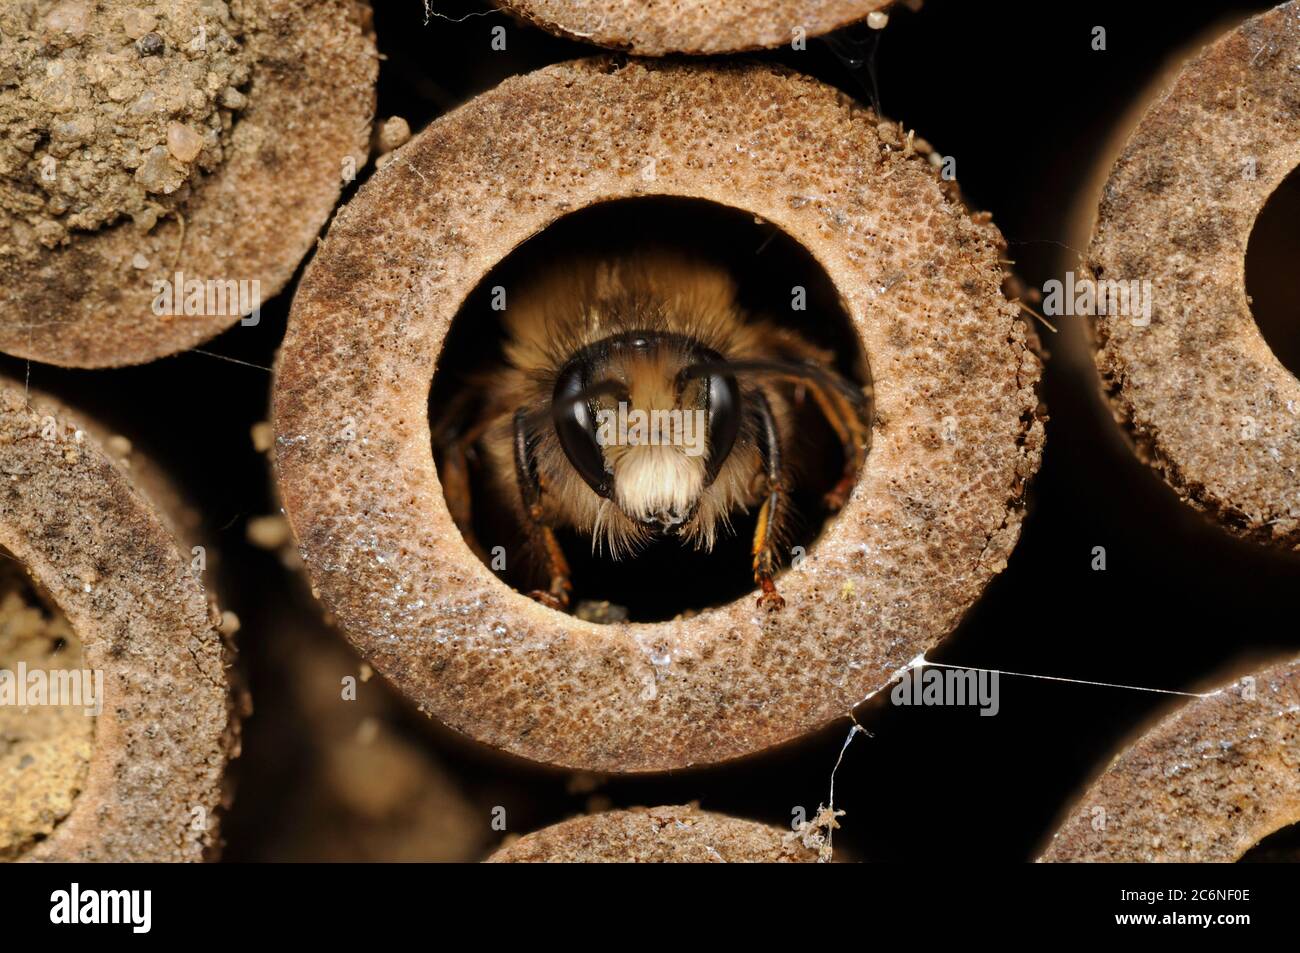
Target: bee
636	400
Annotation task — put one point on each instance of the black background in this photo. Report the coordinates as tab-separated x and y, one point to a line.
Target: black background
1016	93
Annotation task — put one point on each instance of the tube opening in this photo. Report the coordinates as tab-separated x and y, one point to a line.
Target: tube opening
1280	847
1272	256
47	712
776	281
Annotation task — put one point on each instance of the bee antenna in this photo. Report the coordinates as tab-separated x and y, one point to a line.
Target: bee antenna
558	408
788	370
608	386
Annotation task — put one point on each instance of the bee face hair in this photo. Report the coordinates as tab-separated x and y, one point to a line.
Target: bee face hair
635	419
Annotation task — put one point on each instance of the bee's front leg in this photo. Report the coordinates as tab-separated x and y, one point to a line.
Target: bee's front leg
455	474
541	537
557	595
771	515
765	553
854	438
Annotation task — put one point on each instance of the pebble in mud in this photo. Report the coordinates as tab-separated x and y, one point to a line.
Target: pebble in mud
151	44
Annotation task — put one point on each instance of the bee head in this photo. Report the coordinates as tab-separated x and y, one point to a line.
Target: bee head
644	426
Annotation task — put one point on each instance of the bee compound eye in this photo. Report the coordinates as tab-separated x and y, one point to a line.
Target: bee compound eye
724	420
576	428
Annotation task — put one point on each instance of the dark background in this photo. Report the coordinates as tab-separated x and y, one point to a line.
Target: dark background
1016	93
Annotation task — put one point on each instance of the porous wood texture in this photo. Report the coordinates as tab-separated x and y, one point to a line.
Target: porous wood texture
81	525
935	513
656	835
658	27
1199	390
89	304
1207	783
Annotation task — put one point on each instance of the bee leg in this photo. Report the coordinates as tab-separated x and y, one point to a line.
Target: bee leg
844	406
772	513
557	596
838	495
456	488
454	455
854	439
540	536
